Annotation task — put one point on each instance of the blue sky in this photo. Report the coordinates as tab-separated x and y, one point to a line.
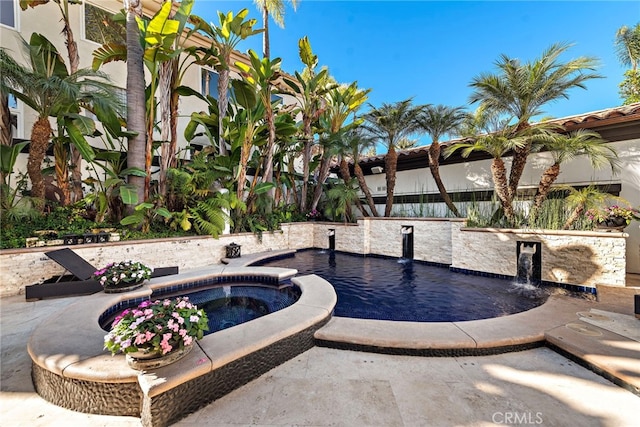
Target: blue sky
431	50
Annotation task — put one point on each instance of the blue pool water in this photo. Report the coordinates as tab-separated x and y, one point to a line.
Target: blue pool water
391	289
228	306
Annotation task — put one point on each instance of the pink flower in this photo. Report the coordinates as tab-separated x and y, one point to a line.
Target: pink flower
182	332
194	318
188	340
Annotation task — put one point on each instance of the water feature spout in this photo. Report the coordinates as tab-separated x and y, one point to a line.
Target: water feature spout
332	239
407	241
528	258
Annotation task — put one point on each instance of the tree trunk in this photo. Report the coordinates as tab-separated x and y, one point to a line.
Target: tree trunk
346	177
325	163
76	157
136	151
6	132
546	181
265	37
499	174
357	171
165	83
434	166
60	155
40	137
242	173
271	142
391	166
223	105
520	155
306	160
574	216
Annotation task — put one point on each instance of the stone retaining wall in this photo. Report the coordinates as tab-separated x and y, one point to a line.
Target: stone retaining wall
580	258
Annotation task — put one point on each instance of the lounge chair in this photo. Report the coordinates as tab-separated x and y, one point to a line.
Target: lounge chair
82	271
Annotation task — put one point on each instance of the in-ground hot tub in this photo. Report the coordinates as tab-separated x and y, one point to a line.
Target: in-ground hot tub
72	370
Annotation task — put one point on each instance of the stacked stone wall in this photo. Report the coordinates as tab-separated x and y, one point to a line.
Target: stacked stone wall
574	257
580	258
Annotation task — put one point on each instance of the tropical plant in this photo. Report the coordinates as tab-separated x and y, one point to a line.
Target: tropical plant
494	137
389	123
225	37
357	142
145	214
13	203
157	327
309	89
340	197
48	89
438	121
630	87
261	75
194	200
564	148
520	91
627	45
74	63
136	106
275	9
581	200
341	102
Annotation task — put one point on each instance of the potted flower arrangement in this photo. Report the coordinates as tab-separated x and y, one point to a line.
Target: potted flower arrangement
613	217
156	333
122	276
313	215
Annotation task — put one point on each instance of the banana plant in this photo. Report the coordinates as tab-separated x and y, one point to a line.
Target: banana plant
309	89
225	37
262	74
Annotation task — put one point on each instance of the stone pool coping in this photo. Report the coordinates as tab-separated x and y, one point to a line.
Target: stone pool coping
475	337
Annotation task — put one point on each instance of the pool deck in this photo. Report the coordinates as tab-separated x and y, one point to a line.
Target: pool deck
601	335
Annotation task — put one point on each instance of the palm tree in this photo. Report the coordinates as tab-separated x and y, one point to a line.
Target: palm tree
520	92
47	88
487	133
358	142
275	9
390	123
74	61
581	200
628	45
438	121
136	116
628	50
564	148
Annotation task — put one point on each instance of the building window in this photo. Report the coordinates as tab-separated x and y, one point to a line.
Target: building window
8	16
209	83
99	26
16	117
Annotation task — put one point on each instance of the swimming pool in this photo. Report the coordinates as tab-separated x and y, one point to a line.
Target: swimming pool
404	290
